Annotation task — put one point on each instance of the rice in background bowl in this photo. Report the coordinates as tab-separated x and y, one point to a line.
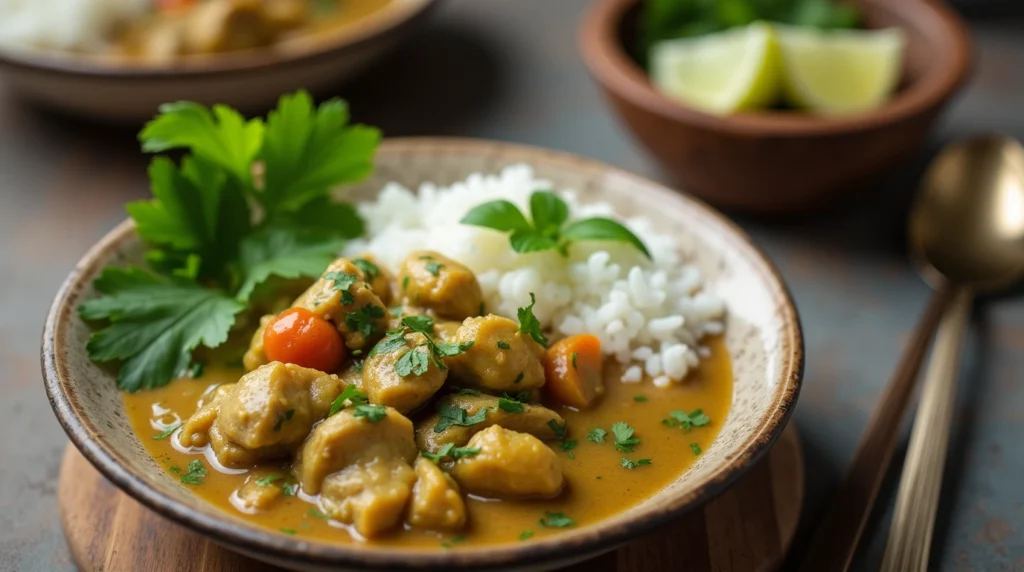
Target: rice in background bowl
649	314
67	25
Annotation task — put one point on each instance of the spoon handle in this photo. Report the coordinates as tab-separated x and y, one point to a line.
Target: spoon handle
837	537
917	501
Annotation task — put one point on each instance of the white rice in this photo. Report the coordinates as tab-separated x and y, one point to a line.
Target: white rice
80	25
649	316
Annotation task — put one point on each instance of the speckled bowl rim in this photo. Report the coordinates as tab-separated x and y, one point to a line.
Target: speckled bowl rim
592	539
614	69
390	19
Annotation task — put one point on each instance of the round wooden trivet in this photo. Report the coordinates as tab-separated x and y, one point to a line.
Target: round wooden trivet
748	528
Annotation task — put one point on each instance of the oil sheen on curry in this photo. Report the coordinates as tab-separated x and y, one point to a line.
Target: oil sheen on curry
397	410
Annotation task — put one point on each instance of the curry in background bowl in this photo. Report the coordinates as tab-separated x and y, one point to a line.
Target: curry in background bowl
462	387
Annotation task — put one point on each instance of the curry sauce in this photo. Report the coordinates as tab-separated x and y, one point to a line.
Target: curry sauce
598	485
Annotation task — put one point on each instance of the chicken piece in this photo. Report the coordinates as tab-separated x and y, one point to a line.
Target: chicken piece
436	502
509	465
352	374
440	284
383	383
195	431
276	404
534	419
258	492
501	359
256	355
378	277
445	330
344	440
370	496
355	310
235	456
226	25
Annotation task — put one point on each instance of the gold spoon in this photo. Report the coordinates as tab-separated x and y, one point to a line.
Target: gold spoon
966	234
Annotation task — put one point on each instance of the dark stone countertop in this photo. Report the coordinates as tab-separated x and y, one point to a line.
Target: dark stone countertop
509	70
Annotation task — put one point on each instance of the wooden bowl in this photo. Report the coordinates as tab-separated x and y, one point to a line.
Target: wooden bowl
773	161
763	338
123	91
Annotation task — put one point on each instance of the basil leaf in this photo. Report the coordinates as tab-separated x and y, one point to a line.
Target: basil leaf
529	241
499	215
549	212
602	229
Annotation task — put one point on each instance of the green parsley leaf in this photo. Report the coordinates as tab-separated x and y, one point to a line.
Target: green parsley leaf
290	489
412	362
290	531
268	480
549	212
634	464
342	282
154	324
286	252
421	324
362	320
196	473
558	428
452	415
434	268
457	539
624	440
521	397
686	421
352	394
568	445
526	535
603	229
452	349
370	270
405	283
509	405
597	435
500	215
372	413
503	345
556	520
167	432
307	152
393	341
640	398
286	417
221	135
529	324
695	448
524	242
450	450
317	514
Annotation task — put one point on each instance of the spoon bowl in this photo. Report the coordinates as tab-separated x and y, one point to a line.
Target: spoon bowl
967	225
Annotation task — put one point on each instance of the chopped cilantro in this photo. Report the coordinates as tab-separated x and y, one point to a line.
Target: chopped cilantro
288	531
370	270
412	362
574	356
451	415
452	349
405	283
468	391
372	413
634	464
317	514
624	440
503	345
421	324
352	394
526	535
450	450
395	311
640	398
167	432
522	396
196	473
458	539
556	520
362	320
434	268
529	324
394	340
558	428
568	445
286	417
509	405
343	281
290	489
686	421
695	448
267	480
597	435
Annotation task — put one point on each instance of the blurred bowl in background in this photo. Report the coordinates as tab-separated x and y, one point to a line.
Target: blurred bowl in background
782	161
123	91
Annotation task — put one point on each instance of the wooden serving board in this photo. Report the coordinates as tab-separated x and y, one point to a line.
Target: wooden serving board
748	528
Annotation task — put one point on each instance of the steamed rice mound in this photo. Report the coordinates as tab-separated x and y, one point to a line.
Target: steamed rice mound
649	315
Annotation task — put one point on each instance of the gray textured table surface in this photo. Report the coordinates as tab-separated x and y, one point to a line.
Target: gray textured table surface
508	69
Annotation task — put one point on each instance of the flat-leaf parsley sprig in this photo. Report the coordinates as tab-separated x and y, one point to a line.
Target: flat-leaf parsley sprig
548	229
250	199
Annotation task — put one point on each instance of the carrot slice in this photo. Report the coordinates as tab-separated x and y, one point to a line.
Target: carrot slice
573	370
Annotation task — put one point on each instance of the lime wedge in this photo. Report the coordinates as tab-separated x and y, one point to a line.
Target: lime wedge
839	71
720	73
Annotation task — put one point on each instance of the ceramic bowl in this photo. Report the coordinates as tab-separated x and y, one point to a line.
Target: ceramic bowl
762	335
251	81
773	161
